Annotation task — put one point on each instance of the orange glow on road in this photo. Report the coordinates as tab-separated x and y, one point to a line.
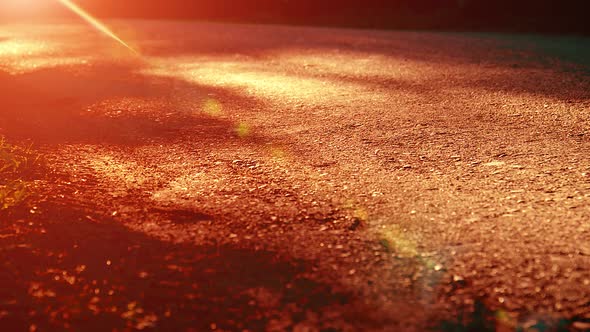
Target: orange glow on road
95	23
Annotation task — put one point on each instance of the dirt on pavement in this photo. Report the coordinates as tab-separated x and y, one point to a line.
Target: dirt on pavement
269	178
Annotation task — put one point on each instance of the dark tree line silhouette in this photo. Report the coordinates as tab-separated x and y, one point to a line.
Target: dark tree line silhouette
564	16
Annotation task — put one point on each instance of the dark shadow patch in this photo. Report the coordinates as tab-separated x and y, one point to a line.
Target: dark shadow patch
87	110
179	216
482	319
64	269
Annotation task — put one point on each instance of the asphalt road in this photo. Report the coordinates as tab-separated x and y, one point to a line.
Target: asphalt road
269	178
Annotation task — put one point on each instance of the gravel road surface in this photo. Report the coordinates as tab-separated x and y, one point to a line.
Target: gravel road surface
271	178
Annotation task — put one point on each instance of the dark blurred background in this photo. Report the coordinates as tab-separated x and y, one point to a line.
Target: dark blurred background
543	16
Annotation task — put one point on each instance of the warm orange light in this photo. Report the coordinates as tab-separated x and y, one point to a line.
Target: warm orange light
95	23
10	8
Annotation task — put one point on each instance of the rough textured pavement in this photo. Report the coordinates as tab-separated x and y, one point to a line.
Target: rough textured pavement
267	178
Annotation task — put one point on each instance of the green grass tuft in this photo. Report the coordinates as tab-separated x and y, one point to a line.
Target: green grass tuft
13	194
16	165
15	160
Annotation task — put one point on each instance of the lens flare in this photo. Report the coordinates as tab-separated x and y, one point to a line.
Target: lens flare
95	23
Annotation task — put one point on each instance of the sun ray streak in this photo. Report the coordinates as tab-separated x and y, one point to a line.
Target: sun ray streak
95	23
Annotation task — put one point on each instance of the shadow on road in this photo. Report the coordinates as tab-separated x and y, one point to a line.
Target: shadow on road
111	105
70	266
497	62
66	269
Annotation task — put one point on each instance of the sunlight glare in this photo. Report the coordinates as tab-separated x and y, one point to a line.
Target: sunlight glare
16	7
95	23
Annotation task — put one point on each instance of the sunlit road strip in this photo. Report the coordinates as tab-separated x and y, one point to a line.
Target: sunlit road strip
95	23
